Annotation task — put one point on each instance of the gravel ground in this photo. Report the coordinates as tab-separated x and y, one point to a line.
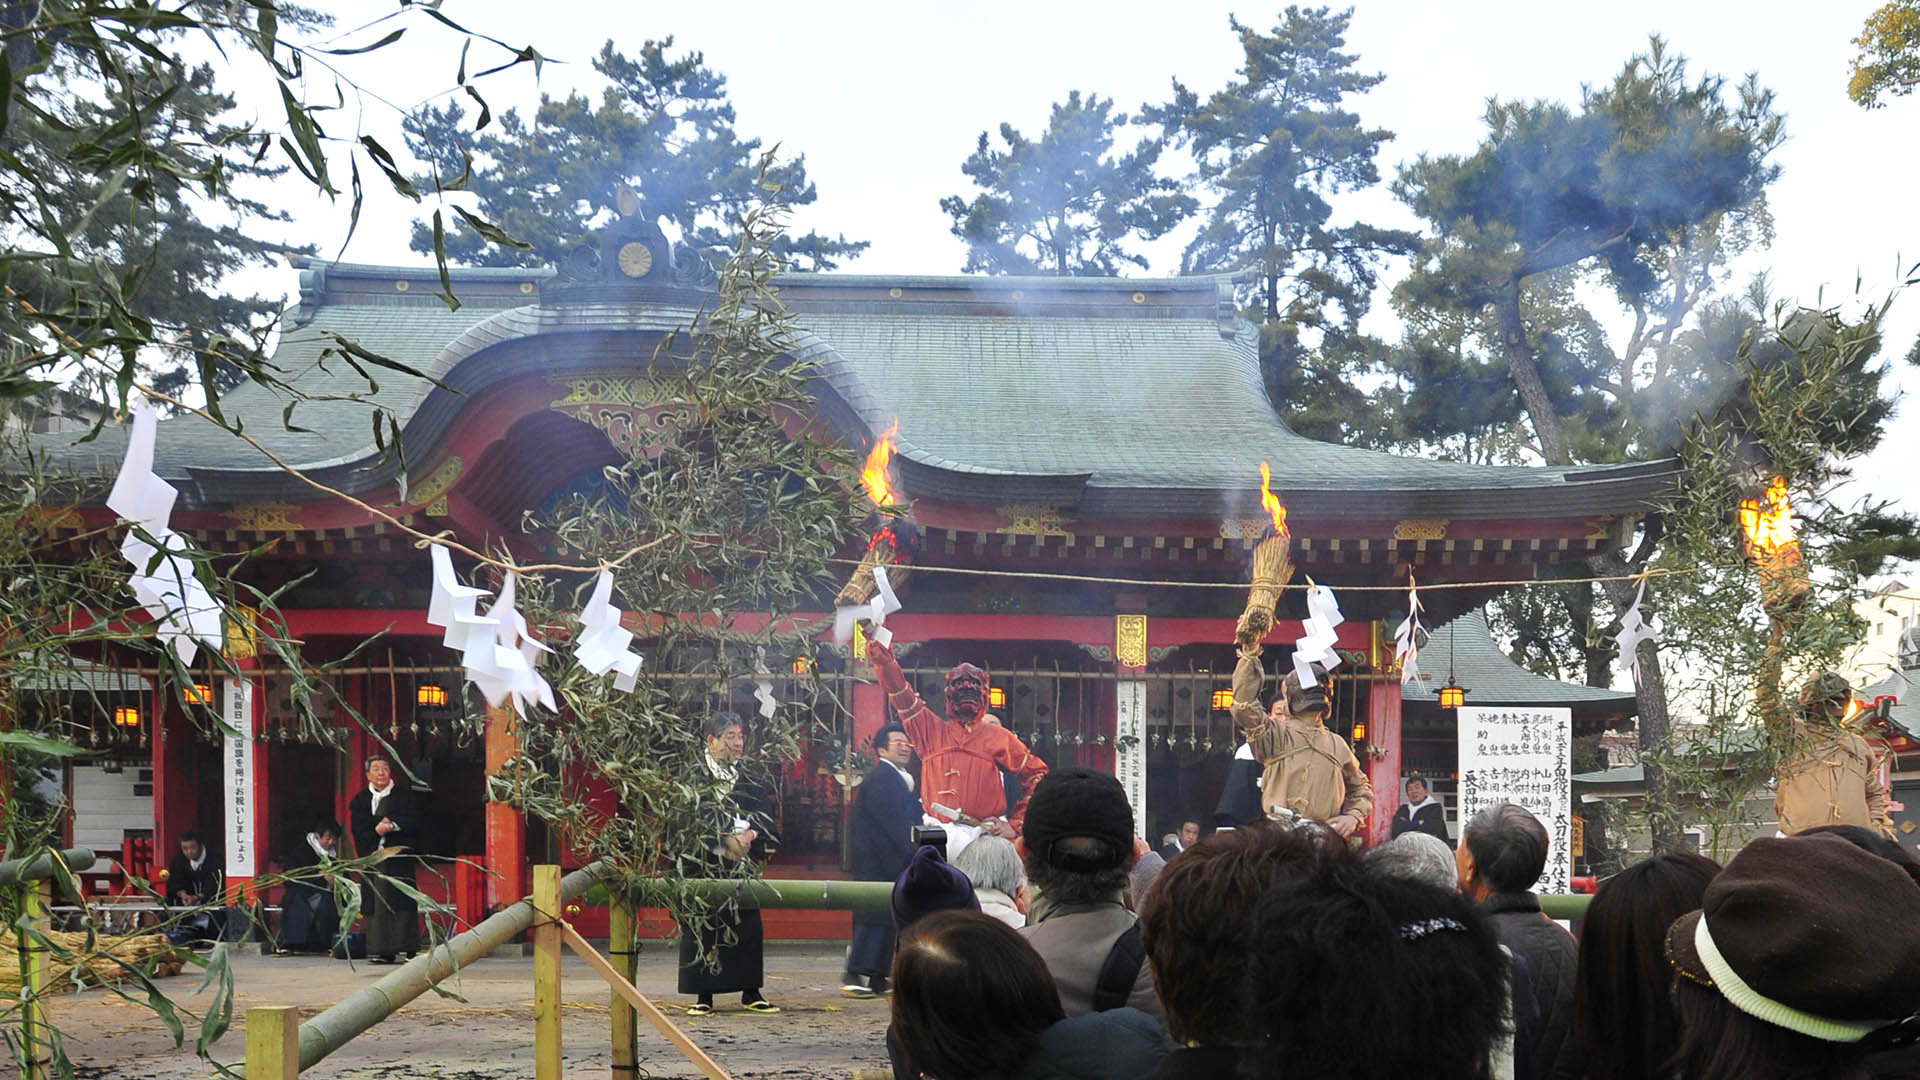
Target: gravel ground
489	1034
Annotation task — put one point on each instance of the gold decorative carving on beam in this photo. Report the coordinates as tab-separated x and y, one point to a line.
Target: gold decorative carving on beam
265	517
631	412
430	494
45	520
1029	519
606	390
1420	529
1253	528
1130	640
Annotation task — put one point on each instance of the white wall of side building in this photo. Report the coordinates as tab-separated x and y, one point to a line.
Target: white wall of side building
107	804
1889	613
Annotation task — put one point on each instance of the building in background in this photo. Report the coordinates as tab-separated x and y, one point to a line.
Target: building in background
1091	428
1892	639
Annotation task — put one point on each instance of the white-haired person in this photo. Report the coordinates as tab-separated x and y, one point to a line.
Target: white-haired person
999	880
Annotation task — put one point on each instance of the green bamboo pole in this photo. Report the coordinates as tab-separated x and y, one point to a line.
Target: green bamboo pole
40	867
36	1044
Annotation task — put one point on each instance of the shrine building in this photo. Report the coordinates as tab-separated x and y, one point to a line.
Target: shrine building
1103	431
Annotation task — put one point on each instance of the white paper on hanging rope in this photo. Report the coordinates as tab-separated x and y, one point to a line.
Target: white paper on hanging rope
1525	757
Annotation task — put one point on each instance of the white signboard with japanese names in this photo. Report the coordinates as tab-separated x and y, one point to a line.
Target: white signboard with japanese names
237	754
1130	746
1522	756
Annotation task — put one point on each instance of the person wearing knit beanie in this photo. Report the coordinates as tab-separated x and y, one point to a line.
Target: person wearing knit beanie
1078	847
929	884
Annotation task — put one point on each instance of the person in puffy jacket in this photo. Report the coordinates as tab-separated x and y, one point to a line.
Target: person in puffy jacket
972	1000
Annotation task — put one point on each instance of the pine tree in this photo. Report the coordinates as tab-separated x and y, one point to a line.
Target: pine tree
1064	204
1273	147
171	222
662	127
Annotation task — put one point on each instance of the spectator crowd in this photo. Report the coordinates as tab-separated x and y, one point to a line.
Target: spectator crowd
1277	950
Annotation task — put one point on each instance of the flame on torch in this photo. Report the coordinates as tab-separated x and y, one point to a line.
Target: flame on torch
873	476
1767	521
1767	535
1271	502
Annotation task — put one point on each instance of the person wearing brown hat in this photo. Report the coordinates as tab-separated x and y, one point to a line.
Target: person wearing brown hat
1803	961
1307	770
1829	774
1078	849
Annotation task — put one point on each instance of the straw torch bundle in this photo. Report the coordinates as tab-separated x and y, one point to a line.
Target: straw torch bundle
1767	534
1272	568
894	539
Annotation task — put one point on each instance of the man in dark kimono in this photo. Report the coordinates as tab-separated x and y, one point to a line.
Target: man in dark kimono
885	809
383	820
725	954
195	880
309	918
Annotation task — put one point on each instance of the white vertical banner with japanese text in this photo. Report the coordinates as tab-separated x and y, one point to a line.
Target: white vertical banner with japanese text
1130	747
1522	756
237	753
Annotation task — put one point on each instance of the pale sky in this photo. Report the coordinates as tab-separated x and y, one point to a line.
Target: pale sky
886	99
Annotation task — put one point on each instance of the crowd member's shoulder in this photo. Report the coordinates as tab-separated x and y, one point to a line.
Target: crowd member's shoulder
1119	1044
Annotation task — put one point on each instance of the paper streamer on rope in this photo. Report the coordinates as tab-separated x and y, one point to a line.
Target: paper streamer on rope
875	611
498	652
763	689
450	605
184	612
506	667
602	644
1406	639
1634	629
1316	645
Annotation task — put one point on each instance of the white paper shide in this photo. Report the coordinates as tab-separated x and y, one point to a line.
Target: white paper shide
602	644
184	612
1322	631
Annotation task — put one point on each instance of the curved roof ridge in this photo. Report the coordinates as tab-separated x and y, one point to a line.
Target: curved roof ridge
1490	676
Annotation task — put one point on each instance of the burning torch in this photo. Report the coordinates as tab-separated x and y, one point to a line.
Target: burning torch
895	539
1767	537
1271	568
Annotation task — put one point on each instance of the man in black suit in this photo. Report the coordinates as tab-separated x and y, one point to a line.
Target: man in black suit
309	918
195	879
383	820
884	810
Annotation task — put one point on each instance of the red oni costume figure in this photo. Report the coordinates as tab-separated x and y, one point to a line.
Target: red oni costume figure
961	757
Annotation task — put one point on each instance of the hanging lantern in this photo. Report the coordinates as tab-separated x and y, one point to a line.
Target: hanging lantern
1452	695
126	716
1222	700
1359	731
429	694
996	697
197	694
801	665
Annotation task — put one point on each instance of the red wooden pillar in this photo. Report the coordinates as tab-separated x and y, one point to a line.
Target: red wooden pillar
506	827
1383	733
869	714
173	780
